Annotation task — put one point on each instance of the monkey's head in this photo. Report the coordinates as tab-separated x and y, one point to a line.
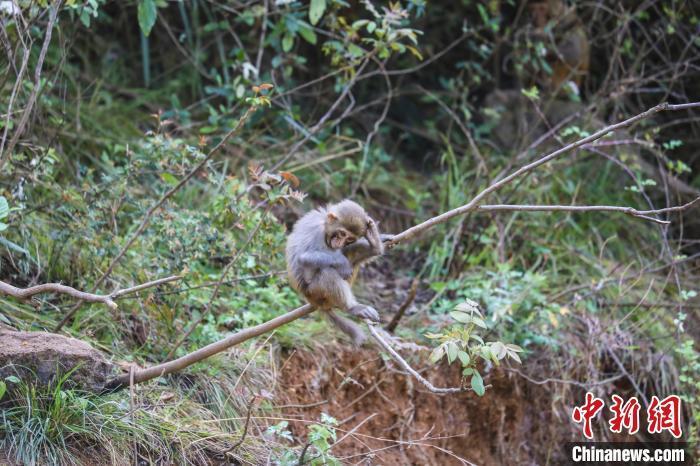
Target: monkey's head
345	223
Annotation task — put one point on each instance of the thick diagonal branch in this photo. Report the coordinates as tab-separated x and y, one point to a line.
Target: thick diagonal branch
251	332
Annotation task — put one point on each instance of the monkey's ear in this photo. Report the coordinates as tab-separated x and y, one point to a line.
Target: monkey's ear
332	217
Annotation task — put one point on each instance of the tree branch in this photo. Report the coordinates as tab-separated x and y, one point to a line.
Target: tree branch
169	367
25	293
397	357
178	364
642	214
474	203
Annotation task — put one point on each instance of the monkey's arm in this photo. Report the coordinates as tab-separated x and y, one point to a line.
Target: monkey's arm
369	246
321	260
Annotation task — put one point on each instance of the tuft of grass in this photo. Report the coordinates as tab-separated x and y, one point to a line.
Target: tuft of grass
60	426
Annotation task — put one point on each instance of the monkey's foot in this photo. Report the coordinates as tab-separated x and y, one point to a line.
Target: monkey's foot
364	312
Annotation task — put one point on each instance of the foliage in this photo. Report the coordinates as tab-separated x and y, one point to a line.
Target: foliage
316	450
462	343
387	102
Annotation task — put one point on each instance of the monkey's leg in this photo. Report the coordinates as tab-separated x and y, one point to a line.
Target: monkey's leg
345	300
328	290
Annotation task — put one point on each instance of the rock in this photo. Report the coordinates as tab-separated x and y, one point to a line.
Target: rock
41	357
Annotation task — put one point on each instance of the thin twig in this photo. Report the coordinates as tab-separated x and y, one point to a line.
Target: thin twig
25	293
303	453
397	357
402	309
642	214
245	427
35	88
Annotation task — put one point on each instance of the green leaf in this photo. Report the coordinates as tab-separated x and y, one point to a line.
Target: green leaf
308	34
316	10
3	389
359	23
437	354
479	322
355	51
461	317
12	379
498	349
478	384
4	208
169	178
452	350
147	15
464	357
438	286
287	42
514	356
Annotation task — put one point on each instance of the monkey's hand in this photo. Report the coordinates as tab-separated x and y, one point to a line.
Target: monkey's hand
374	238
344	268
363	311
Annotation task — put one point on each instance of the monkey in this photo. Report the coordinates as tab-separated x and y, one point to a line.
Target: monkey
324	253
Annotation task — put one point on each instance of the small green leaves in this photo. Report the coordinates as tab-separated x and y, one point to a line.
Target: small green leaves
147	14
452	350
316	10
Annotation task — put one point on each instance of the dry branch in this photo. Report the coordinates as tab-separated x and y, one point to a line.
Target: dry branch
5	153
397	357
474	203
178	364
251	332
641	214
25	293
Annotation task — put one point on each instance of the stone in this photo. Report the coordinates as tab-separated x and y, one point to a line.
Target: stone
41	357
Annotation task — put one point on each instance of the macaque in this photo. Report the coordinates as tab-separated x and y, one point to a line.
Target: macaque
324	252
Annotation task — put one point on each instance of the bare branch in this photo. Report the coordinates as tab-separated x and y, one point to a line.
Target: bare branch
35	89
474	203
178	364
397	357
25	293
402	309
642	214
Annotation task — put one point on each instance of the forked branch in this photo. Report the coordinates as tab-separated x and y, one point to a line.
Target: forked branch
108	299
474	205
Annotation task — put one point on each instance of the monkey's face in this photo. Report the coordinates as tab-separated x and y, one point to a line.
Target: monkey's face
338	238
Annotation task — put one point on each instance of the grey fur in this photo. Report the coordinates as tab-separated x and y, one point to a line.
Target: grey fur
324	275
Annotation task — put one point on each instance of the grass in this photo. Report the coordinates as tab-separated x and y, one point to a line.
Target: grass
164	424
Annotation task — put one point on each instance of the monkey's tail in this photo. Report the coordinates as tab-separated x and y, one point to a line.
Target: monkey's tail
348	327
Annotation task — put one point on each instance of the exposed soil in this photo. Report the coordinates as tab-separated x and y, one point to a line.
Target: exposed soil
516	422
